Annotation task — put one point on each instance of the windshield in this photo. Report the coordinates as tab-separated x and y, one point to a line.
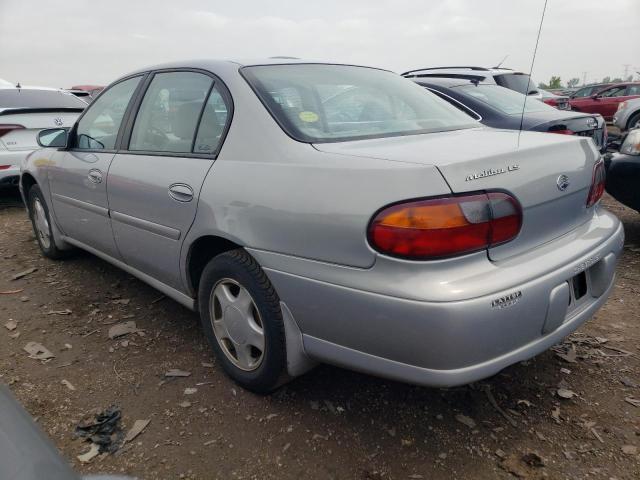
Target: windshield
324	103
503	99
28	98
520	82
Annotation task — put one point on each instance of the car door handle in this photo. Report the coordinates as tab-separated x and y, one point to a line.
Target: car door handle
181	192
95	175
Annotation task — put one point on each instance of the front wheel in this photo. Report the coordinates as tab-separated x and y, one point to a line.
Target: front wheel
242	320
634	121
41	222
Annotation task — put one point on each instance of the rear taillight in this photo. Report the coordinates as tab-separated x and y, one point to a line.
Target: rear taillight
597	183
4	167
6	128
443	227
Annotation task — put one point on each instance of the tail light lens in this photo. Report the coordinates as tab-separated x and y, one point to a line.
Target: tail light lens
444	227
6	128
598	181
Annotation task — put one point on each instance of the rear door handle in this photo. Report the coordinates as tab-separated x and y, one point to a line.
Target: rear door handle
181	192
95	175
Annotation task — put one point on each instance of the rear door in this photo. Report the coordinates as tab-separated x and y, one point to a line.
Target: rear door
156	177
79	187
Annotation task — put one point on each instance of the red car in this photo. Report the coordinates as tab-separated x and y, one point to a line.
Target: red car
605	101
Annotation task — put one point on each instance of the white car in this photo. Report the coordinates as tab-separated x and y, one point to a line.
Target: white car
24	111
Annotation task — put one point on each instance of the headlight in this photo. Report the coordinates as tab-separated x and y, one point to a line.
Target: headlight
631	144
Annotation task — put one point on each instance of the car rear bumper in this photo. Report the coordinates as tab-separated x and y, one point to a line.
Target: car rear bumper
13	159
439	342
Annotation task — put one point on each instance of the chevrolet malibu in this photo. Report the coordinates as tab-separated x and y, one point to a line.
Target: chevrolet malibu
331	213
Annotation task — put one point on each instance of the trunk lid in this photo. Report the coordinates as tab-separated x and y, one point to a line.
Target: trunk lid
33	120
528	166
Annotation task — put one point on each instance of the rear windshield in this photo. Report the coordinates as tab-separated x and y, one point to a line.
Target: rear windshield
503	99
28	98
328	103
520	82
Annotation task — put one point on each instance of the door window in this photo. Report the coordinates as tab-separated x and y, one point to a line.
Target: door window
614	92
169	113
633	90
211	128
98	128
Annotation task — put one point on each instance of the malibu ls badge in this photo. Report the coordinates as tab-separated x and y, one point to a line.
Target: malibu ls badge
491	172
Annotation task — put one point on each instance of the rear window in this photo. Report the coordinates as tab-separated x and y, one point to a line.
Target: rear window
28	98
328	103
520	82
503	99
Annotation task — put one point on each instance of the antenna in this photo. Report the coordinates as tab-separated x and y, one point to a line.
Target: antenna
501	61
533	60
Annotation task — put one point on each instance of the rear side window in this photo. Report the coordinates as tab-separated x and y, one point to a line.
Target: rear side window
519	82
169	114
633	90
211	128
98	128
28	98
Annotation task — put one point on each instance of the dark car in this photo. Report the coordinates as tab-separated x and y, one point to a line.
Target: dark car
623	171
499	107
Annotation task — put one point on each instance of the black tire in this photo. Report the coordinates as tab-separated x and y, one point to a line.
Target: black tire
240	267
50	250
635	118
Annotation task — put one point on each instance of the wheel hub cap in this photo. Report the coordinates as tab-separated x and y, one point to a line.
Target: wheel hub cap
237	324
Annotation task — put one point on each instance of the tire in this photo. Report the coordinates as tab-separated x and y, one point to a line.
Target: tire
634	121
41	223
222	297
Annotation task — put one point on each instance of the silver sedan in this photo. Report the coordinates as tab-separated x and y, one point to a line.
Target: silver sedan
331	213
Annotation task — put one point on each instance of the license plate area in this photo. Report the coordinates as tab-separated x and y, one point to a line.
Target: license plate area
578	288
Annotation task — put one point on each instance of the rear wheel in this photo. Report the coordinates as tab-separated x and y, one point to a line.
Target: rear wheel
41	222
241	317
634	121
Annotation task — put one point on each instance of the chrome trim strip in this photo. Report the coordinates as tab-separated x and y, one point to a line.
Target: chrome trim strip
74	202
152	227
170	292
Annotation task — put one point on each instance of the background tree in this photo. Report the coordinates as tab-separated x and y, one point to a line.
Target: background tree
555	82
574	82
606	79
616	80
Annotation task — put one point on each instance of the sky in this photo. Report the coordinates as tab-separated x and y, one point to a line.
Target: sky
60	44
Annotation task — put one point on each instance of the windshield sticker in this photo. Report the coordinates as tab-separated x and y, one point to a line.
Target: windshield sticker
308	117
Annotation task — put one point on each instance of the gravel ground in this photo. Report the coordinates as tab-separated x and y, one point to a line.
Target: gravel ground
329	424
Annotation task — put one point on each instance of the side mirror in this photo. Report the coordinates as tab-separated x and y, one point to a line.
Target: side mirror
595	96
631	143
53	137
533	92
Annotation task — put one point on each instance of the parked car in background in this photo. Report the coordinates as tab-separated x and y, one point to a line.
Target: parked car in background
605	102
627	116
623	171
560	102
23	113
589	90
505	77
345	215
499	107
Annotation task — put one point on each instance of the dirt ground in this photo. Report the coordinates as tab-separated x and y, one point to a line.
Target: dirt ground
329	424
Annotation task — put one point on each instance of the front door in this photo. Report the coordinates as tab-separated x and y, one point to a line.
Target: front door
155	181
79	187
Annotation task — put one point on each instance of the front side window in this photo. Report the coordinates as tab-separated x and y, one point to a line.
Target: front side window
325	103
503	99
169	113
98	128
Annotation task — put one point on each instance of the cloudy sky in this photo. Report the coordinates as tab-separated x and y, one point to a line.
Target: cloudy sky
66	43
